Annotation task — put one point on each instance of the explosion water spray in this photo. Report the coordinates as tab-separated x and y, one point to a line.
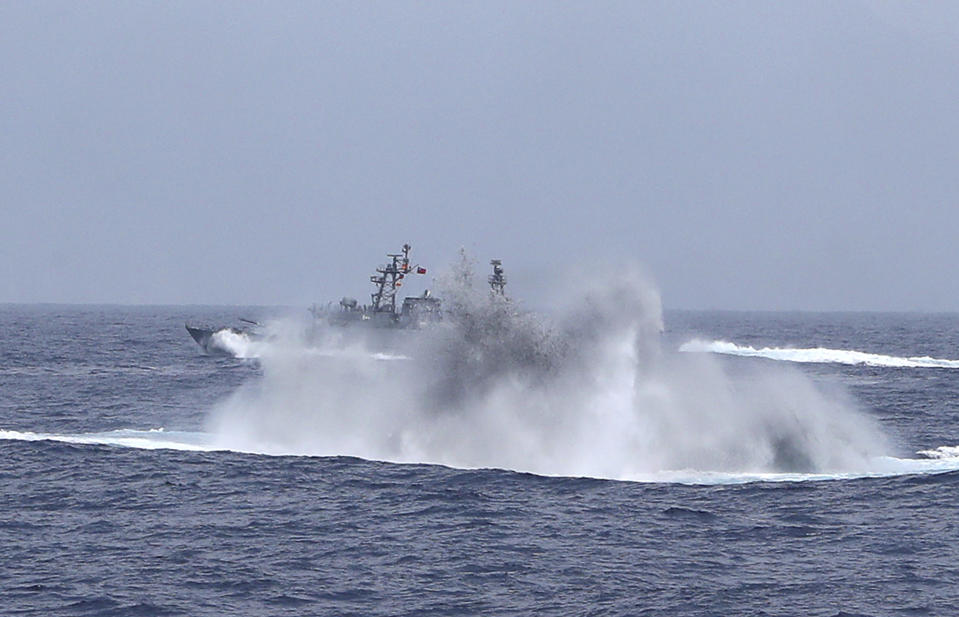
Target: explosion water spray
588	391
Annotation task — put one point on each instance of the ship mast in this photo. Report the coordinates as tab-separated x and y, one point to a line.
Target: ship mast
387	278
497	280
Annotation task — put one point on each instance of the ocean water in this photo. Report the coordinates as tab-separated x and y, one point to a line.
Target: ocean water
140	476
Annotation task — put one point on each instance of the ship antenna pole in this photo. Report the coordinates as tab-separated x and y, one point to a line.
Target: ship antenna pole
389	279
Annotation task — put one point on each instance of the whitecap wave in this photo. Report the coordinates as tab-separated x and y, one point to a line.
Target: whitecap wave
817	355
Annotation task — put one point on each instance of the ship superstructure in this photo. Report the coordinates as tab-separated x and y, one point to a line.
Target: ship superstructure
414	311
382	311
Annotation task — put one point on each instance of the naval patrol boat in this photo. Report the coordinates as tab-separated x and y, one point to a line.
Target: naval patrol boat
383	311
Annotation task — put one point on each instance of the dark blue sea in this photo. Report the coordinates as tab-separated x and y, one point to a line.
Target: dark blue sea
763	464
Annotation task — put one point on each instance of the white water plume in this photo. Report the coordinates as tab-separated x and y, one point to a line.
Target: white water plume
817	355
587	392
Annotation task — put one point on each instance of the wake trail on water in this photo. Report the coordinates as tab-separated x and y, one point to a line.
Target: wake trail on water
151	439
817	355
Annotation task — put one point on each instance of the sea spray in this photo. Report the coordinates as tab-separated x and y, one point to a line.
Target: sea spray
588	390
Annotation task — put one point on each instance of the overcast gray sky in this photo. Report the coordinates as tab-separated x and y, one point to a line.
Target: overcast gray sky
752	155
